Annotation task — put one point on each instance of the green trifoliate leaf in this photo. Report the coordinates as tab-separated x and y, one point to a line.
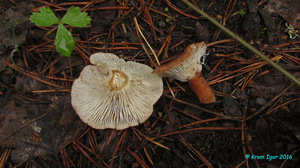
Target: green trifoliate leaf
64	41
44	18
75	18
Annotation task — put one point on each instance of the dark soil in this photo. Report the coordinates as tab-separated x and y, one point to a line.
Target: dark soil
256	113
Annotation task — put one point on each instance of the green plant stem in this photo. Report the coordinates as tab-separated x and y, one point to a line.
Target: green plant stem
14	36
15	43
236	37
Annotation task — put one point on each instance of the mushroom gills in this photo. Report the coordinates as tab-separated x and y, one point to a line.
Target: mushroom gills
114	93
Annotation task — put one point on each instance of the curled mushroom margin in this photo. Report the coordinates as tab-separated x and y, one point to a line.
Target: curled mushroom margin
187	68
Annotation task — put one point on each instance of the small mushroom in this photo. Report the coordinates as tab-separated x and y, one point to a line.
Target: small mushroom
114	93
187	68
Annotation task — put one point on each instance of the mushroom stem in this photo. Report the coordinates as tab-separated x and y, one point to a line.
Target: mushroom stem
204	92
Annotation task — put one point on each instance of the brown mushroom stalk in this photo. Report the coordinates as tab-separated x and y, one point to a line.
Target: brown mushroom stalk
202	89
187	68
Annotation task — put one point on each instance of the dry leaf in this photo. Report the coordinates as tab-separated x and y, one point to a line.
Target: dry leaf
288	9
37	125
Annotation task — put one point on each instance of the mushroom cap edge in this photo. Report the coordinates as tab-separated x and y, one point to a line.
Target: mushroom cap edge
86	83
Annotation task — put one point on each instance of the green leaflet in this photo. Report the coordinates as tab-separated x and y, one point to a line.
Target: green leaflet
64	41
44	18
75	18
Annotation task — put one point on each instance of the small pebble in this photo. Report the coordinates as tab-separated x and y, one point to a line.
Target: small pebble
135	165
261	101
161	24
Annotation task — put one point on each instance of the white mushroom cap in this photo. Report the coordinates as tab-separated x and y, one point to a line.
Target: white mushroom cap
186	65
115	94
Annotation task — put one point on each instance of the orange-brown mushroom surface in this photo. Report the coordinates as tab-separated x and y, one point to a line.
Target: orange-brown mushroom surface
187	68
186	64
